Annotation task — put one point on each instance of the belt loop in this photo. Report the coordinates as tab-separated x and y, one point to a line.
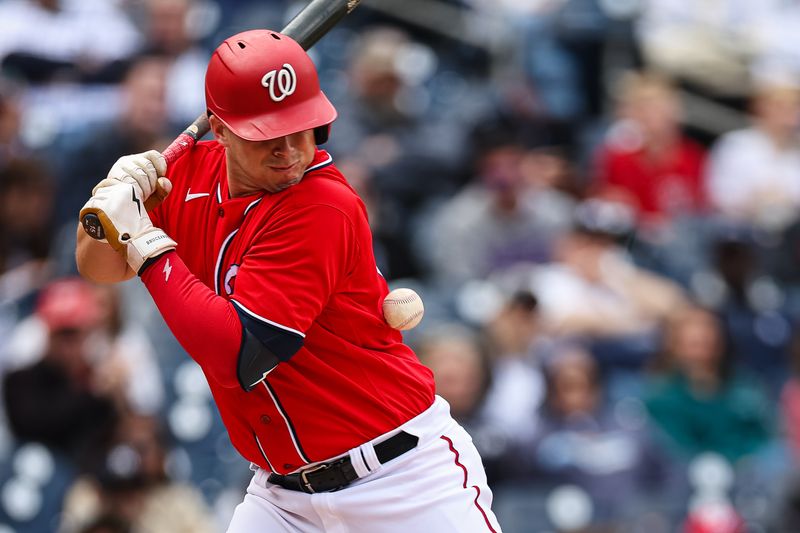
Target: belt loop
371	458
358	463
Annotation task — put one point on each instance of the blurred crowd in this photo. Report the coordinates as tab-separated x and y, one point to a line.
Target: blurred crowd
598	201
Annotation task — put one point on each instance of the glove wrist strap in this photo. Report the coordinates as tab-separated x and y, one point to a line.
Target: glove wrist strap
148	245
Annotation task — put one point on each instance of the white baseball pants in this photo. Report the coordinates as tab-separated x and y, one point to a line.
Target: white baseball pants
438	486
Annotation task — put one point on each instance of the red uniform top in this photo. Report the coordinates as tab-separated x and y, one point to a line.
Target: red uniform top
660	189
300	260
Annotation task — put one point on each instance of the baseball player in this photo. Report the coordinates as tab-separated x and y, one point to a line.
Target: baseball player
260	261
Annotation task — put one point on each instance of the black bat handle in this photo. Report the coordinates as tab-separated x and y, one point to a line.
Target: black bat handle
316	19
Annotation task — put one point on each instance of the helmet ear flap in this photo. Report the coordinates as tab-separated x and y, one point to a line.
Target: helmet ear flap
321	134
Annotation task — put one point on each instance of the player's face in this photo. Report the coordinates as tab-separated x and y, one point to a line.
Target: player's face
271	166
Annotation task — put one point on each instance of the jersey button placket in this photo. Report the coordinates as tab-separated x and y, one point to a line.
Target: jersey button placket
266	419
221	212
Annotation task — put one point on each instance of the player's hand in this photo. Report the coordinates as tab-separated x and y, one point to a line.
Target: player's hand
146	169
127	226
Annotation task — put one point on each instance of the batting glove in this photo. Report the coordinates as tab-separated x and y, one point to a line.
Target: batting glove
145	169
127	226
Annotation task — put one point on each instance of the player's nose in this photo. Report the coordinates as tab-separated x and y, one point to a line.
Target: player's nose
280	147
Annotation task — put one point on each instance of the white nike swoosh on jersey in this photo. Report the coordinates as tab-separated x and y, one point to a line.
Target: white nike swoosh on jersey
190	196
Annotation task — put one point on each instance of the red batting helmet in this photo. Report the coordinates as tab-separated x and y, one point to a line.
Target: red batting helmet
262	85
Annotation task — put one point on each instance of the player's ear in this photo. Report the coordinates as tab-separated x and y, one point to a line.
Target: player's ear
219	130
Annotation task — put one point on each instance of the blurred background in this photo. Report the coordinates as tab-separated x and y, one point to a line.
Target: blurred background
598	200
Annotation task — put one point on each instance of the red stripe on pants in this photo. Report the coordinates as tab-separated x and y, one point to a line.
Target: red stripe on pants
477	489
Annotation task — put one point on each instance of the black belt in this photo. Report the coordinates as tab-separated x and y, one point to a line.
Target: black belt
326	477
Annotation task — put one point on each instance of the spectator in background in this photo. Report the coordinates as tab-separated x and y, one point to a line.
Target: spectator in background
463	374
751	304
131	359
58	401
706	42
129	482
593	288
26	206
141	126
790	403
511	212
754	173
171	34
515	346
697	398
582	440
645	159
408	152
124	357
11	146
83	40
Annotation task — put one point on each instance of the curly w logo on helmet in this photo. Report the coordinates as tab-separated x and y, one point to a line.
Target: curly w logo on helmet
281	83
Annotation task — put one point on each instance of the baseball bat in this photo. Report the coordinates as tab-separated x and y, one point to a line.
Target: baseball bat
307	27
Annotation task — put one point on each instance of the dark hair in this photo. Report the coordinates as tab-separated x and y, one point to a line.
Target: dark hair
524	300
501	129
30	176
25	173
107	523
120	470
553	361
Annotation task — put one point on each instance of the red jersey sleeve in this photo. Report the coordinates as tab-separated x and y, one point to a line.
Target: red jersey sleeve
295	264
205	324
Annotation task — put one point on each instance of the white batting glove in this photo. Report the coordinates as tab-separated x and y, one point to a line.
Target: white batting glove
144	169
127	226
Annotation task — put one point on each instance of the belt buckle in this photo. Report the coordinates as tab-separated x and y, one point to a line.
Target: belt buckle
304	476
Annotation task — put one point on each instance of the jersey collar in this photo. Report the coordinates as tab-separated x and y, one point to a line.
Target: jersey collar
321	159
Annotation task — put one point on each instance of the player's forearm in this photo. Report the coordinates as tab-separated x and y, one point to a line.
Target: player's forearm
205	324
98	262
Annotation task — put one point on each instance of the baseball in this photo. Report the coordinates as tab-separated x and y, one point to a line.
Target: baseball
403	309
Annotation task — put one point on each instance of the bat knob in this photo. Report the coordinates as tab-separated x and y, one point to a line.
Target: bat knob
93	227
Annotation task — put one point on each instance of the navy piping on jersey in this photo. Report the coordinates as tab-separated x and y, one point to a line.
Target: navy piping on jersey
289	425
320	164
251	205
224	248
219	193
263	453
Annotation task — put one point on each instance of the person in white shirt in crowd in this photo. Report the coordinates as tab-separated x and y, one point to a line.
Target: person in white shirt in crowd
173	29
754	173
513	209
593	288
708	43
48	40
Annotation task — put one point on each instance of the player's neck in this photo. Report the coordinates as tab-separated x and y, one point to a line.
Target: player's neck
239	183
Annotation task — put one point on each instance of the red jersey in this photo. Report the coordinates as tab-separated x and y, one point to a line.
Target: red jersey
660	189
300	260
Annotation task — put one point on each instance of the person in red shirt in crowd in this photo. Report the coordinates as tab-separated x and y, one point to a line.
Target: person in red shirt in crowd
645	159
260	261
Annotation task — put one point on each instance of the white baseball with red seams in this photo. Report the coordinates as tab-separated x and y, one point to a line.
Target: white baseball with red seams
403	309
